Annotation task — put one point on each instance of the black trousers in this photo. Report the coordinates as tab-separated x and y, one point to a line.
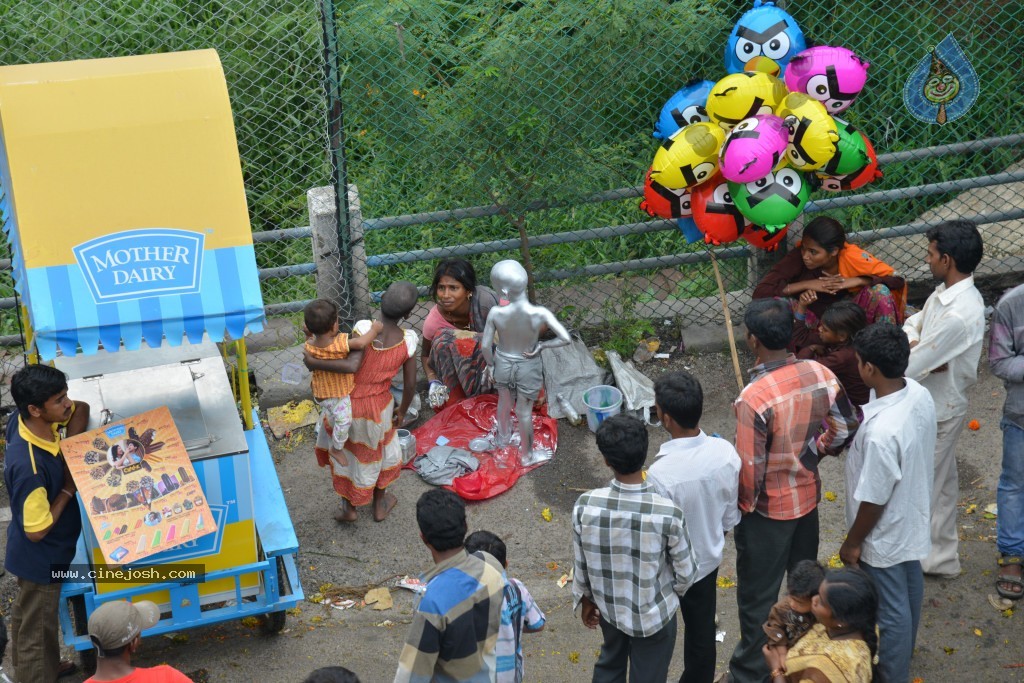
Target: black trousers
699	606
647	658
765	550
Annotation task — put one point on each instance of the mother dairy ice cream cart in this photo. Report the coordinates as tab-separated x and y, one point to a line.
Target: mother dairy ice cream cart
132	254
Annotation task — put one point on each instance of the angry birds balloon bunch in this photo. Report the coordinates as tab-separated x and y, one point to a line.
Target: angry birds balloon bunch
740	157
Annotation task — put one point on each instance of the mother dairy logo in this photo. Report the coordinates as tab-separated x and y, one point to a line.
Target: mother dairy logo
141	263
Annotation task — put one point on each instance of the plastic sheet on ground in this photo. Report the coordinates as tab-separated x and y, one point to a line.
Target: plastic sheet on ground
636	387
569	371
475	417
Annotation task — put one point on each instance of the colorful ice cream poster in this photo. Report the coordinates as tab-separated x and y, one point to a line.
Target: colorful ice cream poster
138	486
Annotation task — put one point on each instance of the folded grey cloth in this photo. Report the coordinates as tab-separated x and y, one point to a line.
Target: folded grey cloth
441	465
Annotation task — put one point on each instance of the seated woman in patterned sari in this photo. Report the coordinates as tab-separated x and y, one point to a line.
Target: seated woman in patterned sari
451	334
830	269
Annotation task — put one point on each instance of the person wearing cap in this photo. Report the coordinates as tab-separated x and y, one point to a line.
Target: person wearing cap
115	629
45	522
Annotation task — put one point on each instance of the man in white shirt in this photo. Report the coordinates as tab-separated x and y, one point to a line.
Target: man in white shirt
700	474
888	492
945	347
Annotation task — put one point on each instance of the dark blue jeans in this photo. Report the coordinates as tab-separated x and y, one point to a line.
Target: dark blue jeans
1010	494
900	593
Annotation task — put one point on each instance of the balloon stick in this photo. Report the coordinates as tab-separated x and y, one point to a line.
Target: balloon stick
728	320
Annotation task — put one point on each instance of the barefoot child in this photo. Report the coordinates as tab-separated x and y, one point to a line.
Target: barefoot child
839	323
331	388
519	613
372	457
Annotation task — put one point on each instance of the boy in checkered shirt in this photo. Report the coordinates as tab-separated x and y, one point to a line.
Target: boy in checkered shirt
633	560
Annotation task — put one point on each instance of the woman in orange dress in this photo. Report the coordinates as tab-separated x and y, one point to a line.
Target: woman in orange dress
372	457
830	269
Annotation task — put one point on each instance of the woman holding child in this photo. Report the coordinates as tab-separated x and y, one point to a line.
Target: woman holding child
841	646
824	269
451	333
370	459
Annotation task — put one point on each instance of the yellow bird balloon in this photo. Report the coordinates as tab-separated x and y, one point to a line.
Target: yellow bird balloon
813	133
742	95
689	157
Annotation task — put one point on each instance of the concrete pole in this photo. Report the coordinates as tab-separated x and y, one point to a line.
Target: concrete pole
330	283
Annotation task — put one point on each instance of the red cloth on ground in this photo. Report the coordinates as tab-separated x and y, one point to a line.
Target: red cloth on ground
474	417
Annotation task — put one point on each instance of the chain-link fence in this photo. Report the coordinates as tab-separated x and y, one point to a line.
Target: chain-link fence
523	130
272	53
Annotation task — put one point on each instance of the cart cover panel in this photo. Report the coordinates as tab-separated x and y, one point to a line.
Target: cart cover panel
123	201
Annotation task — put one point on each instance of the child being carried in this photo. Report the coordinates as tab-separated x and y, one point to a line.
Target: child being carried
791	617
331	389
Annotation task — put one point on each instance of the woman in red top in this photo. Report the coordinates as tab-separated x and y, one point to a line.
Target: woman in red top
833	269
451	332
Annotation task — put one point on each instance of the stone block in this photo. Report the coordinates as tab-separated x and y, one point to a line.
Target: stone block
271	390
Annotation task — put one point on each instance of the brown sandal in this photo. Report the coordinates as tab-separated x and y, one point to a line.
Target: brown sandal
1010	586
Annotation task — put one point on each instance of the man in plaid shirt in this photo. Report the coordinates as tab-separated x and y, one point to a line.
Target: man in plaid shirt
632	560
791	414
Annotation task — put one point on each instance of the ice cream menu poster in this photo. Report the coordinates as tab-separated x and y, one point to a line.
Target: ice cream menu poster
138	486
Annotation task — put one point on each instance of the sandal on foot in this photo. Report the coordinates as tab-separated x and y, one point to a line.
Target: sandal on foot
1010	586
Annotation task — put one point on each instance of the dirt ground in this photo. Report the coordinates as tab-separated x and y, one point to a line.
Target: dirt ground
962	637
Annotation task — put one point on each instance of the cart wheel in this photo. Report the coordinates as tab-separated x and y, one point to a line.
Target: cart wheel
272	623
86	657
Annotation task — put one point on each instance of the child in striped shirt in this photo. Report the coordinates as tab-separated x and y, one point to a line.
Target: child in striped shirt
331	389
519	613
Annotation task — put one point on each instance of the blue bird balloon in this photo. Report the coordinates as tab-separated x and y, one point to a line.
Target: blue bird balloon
765	31
683	108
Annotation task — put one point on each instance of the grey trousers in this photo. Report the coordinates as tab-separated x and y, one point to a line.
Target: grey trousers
646	658
35	634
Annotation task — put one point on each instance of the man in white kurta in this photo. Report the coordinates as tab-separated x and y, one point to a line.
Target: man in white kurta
945	338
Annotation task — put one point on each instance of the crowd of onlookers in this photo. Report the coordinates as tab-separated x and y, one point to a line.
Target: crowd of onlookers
840	367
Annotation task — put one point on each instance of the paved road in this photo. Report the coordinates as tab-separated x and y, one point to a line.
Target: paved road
962	637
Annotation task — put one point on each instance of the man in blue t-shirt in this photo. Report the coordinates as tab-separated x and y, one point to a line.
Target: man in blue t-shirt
45	521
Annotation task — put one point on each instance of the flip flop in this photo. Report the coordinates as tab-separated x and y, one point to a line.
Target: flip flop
1001	604
1018	581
